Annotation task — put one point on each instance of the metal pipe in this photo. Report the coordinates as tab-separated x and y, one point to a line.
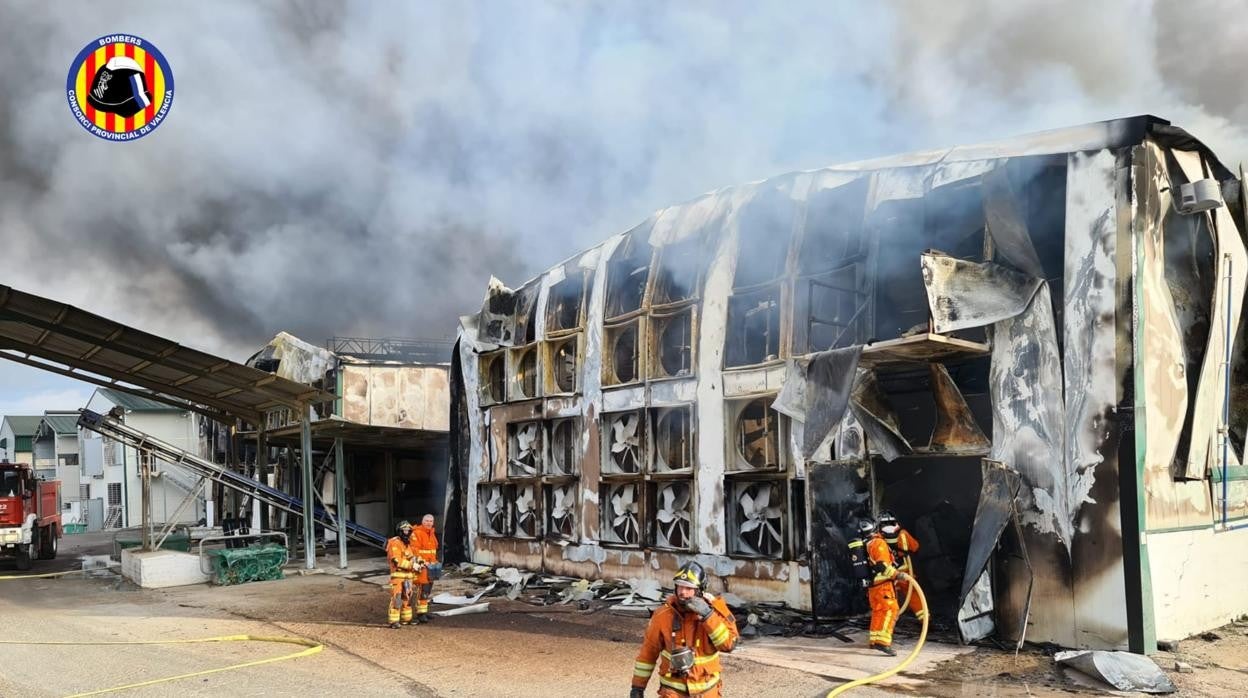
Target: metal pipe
1226	396
309	528
340	501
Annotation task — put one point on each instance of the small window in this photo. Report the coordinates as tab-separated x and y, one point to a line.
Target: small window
84	492
627	275
564	300
69	459
114	494
766	226
753	334
526	315
678	273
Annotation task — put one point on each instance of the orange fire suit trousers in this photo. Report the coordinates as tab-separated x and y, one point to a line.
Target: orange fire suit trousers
884	611
915	605
400	600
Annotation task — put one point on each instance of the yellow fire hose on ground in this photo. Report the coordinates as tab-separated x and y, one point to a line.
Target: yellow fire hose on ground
310	647
918	646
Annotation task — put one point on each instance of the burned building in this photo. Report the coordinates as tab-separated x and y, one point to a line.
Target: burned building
1024	349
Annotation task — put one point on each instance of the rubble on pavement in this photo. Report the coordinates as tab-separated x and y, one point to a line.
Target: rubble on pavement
638	597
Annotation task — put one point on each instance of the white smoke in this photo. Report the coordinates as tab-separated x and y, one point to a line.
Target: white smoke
363	169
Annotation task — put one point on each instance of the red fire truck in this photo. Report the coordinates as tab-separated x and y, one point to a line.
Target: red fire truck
30	515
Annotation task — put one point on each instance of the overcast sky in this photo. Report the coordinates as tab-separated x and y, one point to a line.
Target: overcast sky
363	169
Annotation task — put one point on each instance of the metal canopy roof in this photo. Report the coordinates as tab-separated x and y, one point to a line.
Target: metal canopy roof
63	339
362	435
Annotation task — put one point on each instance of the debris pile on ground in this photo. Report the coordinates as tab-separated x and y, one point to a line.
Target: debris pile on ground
627	597
1122	670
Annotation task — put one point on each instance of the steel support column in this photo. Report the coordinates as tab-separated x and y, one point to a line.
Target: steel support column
340	501
309	527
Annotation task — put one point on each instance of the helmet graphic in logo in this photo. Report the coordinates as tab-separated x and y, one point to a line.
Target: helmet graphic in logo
120	87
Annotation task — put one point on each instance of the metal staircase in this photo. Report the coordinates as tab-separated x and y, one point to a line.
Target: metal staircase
119	431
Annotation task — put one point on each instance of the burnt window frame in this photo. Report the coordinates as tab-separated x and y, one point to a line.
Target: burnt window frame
550	480
515	376
610	334
657	322
780	474
550	366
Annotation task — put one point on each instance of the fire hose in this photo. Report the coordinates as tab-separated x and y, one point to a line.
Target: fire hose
310	647
918	646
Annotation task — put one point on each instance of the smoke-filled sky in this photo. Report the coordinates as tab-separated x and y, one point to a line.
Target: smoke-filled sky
362	168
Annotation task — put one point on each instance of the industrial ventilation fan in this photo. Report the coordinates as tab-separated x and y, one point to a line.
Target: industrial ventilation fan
562	516
526	512
563	444
496	511
761	518
528	446
673	515
625	443
625	526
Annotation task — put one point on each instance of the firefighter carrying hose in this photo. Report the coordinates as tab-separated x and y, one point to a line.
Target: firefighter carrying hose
882	596
425	546
403	563
685	636
903	546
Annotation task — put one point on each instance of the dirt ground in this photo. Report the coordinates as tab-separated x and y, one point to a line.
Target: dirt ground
513	650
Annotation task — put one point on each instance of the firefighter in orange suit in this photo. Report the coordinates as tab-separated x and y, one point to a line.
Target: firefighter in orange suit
881	595
685	636
402	565
425	546
903	546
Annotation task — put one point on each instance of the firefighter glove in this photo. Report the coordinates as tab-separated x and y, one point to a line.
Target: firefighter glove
902	576
637	693
698	605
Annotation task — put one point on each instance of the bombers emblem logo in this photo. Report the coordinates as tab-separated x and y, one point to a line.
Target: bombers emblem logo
120	87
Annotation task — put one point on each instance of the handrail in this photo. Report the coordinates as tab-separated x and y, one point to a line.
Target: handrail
237	536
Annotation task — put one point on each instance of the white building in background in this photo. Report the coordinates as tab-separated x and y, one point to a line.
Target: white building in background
55	452
17	432
110	471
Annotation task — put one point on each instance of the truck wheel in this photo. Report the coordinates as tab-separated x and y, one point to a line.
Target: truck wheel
23	558
48	544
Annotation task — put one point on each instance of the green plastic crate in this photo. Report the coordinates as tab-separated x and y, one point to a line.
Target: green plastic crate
71	529
255	563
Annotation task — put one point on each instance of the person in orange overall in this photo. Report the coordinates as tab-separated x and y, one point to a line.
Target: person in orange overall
402	563
425	547
881	595
685	636
903	546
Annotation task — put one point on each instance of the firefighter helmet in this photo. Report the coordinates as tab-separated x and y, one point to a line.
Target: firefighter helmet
888	524
403	525
120	87
691	574
886	518
866	527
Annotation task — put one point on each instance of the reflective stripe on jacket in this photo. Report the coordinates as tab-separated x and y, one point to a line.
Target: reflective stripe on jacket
718	633
905	545
424	546
397	553
881	558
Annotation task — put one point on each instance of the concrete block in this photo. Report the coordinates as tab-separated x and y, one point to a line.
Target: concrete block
161	568
1183	667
